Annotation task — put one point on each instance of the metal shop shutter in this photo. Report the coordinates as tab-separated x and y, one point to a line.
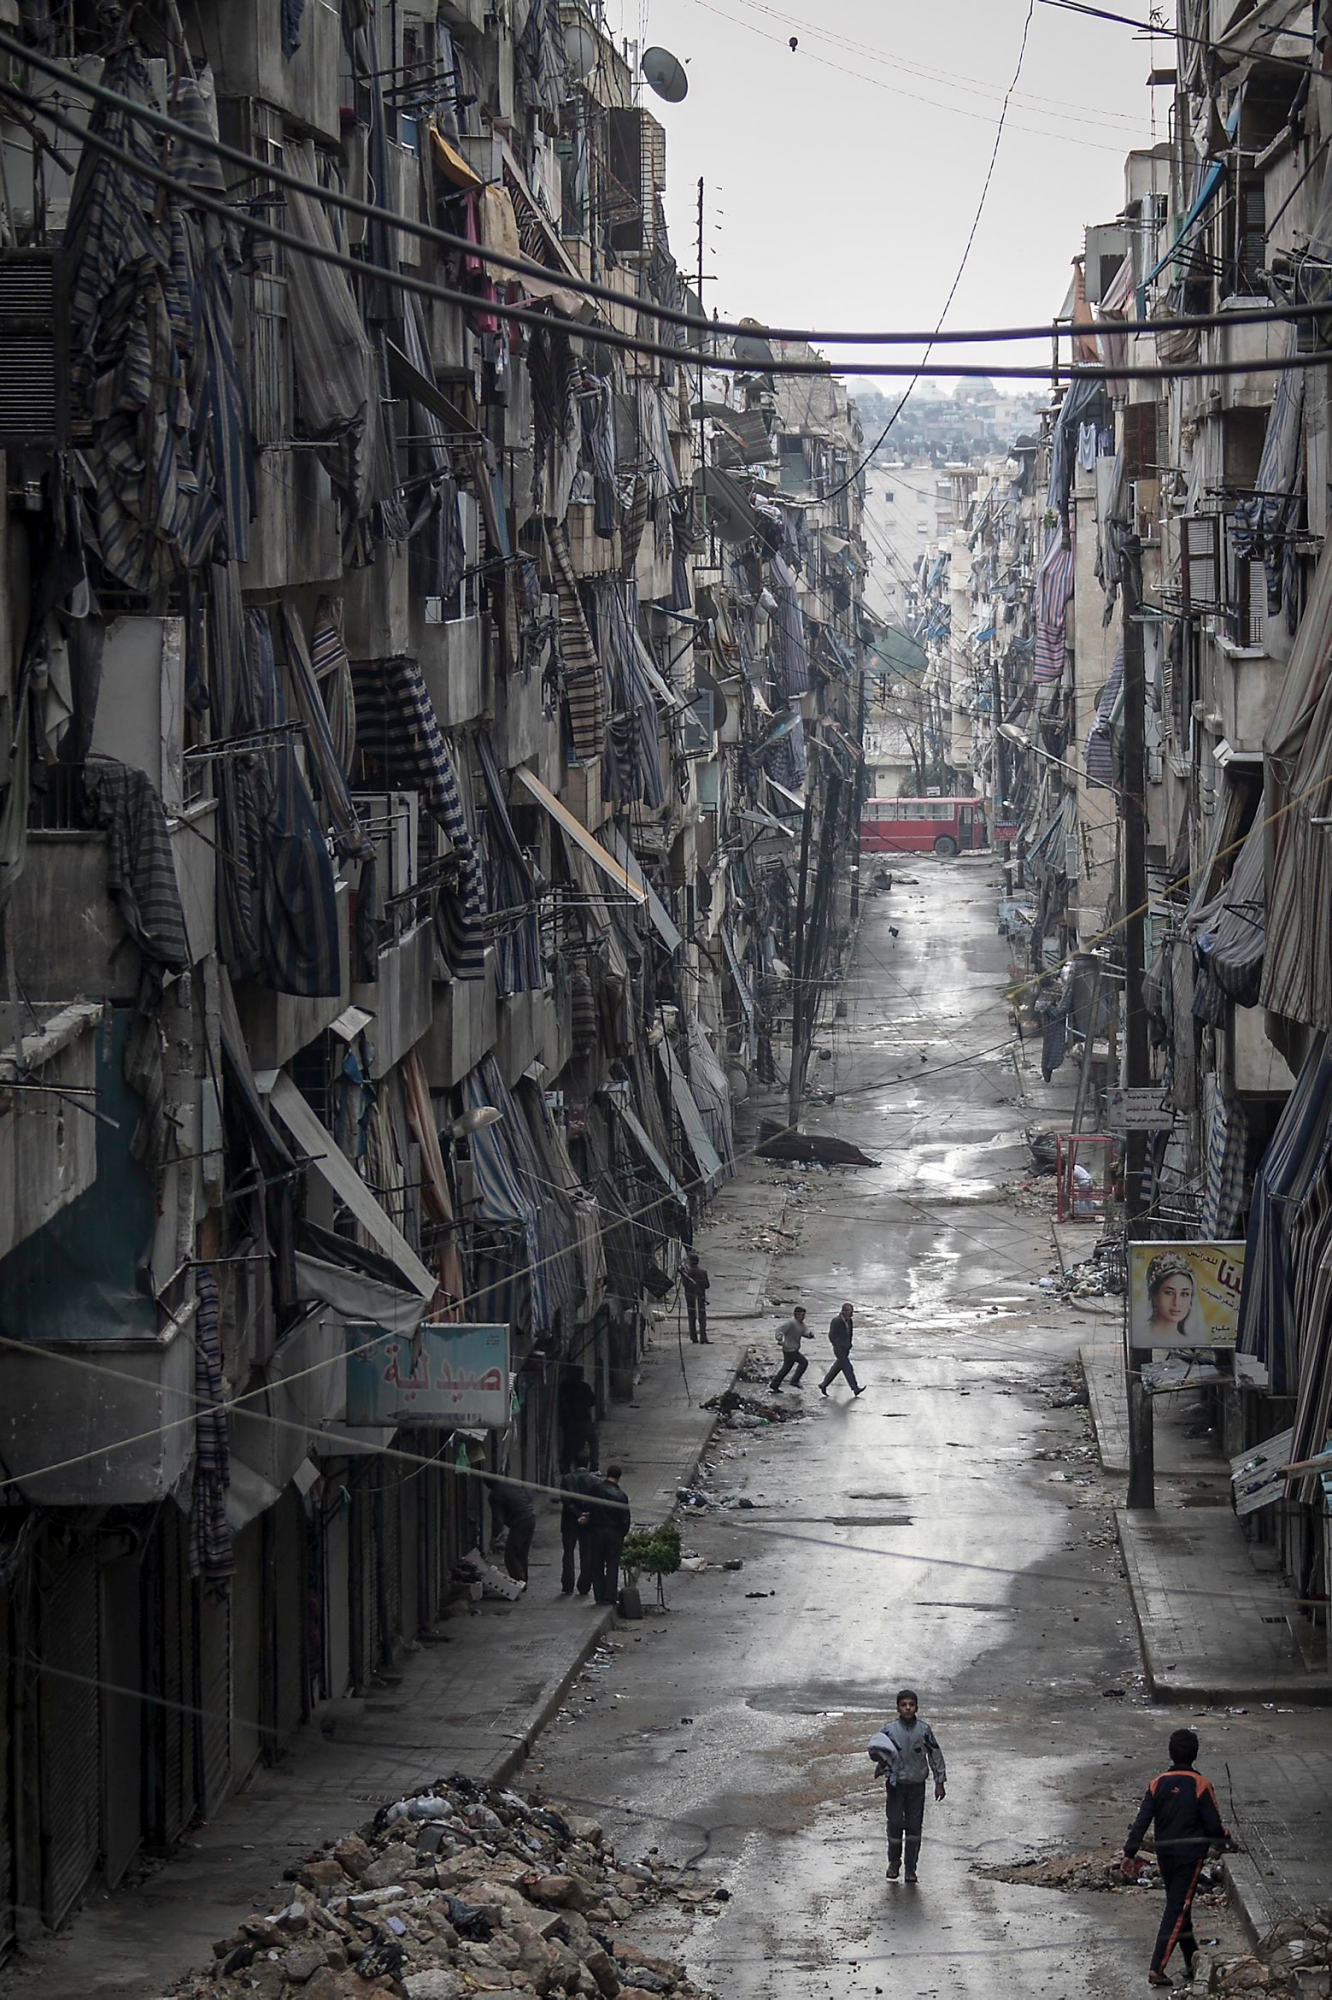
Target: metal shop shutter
246	1652
363	1578
390	1515
69	1724
213	1678
173	1796
8	1843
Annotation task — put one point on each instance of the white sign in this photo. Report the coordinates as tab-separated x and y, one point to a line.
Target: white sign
1141	1109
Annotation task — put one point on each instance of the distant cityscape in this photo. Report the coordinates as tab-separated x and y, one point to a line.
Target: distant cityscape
940	426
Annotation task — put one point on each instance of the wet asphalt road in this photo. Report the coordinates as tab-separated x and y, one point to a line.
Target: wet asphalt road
910	1536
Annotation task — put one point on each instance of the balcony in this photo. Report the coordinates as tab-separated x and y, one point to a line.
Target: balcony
278	1025
244	43
48	1151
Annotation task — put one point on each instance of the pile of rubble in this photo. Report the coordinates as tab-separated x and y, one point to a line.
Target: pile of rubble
749	1413
459	1891
1099	1868
1294	1958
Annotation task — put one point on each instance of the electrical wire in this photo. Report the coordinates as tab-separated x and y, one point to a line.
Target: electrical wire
1193	41
912	96
1060	106
879	443
524	267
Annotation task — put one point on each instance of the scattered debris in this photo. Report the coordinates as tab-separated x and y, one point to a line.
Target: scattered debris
1295	1957
747	1413
459	1890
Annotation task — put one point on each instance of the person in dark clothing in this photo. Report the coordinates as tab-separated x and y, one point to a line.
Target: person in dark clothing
574	1537
607	1523
578	1418
906	1753
1180	1807
840	1335
694	1283
511	1509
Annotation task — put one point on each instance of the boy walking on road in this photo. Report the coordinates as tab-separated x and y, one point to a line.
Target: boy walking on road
907	1754
791	1333
840	1335
1181	1806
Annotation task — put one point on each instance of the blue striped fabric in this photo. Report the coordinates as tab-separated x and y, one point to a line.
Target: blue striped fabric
510	884
398	732
1054	588
1295	1161
1101	739
528	1263
298	911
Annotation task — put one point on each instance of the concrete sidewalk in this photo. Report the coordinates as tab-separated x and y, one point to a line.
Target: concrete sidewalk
474	1699
1216	1625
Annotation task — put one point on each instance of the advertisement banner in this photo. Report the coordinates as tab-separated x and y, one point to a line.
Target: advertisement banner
1184	1294
452	1376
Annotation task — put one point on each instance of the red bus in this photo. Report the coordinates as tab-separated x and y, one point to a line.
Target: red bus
915	826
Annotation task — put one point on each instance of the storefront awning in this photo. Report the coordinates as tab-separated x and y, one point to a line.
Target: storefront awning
328	1160
648	1150
576	831
662	921
700	1145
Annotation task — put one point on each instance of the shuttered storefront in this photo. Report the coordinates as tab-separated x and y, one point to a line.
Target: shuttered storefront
213	1675
363	1578
8	1802
69	1747
246	1652
172	1790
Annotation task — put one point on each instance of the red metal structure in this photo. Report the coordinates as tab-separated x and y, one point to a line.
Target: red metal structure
917	826
1079	1200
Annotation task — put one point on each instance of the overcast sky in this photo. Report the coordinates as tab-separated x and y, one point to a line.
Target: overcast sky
841	179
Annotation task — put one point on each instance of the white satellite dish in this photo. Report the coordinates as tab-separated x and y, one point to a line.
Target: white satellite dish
665	74
580	46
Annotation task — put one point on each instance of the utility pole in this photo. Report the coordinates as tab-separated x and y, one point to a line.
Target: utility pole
861	794
813	947
1137	1058
799	960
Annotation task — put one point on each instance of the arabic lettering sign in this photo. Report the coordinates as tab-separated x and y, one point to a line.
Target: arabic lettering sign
444	1375
1138	1110
1184	1295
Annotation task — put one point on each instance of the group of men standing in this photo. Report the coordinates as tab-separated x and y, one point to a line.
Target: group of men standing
792	1335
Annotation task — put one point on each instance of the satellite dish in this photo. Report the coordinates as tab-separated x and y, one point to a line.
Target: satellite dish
580	46
665	74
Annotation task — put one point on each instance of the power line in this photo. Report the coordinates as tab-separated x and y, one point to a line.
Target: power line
569	281
966	253
1193	41
894	90
1068	107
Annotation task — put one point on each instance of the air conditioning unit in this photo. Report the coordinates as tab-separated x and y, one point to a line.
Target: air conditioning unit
34	366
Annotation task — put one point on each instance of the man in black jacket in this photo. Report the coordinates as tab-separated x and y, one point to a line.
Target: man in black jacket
607	1523
840	1335
578	1417
574	1537
1181	1806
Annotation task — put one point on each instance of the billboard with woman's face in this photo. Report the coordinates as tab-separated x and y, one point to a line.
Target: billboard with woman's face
1184	1294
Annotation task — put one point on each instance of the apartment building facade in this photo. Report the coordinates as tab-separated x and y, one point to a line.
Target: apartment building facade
403	762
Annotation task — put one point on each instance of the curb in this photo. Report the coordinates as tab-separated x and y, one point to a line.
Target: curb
1250	1896
509	1761
1115	1465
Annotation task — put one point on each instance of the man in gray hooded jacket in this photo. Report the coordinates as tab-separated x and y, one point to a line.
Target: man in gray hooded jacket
906	1753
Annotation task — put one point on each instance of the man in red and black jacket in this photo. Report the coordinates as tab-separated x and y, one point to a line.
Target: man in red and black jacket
1181	1807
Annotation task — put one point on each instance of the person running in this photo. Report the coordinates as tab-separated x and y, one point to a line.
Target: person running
840	1335
607	1523
694	1281
790	1333
1181	1807
575	1538
906	1753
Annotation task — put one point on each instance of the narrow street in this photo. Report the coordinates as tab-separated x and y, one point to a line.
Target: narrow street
922	1534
